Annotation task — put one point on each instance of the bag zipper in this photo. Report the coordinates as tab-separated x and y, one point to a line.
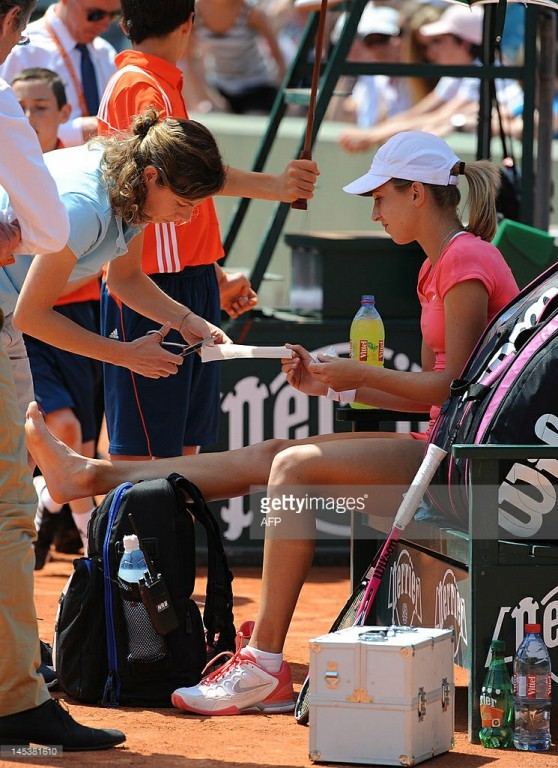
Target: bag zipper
111	691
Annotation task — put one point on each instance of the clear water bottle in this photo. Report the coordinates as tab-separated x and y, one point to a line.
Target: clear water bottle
367	337
532	691
496	701
144	643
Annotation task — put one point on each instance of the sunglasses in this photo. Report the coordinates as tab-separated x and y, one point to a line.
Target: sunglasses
96	14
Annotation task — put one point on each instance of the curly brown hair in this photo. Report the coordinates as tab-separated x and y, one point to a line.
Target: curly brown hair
184	153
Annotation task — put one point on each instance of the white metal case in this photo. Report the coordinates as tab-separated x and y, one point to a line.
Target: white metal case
381	695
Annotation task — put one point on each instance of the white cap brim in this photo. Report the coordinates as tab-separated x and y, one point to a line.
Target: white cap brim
367	183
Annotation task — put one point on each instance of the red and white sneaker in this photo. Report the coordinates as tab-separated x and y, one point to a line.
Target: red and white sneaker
240	685
245	632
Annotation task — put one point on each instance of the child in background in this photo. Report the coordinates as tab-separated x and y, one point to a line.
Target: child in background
240	52
65	384
42	97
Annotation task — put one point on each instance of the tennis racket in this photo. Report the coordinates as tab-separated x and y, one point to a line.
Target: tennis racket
356	609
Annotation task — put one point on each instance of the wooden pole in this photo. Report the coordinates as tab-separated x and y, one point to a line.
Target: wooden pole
306	153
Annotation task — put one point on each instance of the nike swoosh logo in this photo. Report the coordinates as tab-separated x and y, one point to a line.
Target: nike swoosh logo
238	688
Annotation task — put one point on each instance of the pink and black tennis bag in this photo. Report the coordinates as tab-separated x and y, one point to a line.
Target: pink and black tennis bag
508	394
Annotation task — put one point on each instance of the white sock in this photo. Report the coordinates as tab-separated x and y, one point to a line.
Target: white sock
44	496
38	517
269	661
82	521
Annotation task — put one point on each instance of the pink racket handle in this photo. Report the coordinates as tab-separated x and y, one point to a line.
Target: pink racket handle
405	514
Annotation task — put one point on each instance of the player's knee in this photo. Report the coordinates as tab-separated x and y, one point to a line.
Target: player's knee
296	463
268	449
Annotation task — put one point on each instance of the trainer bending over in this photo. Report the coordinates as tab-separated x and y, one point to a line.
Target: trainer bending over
111	188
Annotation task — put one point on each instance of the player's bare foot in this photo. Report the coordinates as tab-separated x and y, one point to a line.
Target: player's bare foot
68	475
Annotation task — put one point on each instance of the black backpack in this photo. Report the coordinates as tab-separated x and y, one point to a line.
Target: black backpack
91	640
508	394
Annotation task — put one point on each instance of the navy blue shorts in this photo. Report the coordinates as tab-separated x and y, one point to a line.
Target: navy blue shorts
63	379
158	417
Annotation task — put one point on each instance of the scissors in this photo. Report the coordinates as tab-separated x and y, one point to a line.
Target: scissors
184	349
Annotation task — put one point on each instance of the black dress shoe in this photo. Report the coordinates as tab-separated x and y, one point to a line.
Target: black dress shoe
45	535
50	724
67	538
46	653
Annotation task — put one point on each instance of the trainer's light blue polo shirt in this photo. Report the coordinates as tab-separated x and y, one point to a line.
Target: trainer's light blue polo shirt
97	235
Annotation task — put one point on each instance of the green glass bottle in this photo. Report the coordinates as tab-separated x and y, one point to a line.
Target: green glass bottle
496	702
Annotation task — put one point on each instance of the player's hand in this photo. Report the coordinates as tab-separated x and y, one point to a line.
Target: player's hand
296	370
339	373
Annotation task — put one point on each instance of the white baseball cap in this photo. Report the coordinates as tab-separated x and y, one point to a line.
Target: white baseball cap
374	21
462	21
410	155
378	21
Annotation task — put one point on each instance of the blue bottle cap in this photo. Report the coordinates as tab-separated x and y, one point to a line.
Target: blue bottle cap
368	298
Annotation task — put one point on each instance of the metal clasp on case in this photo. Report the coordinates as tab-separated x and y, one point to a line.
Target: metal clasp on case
421	710
331	676
445	694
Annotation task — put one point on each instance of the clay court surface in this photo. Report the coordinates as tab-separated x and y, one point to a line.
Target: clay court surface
167	738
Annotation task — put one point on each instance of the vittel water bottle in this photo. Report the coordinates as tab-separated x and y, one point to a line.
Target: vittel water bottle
144	643
496	701
367	337
532	690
